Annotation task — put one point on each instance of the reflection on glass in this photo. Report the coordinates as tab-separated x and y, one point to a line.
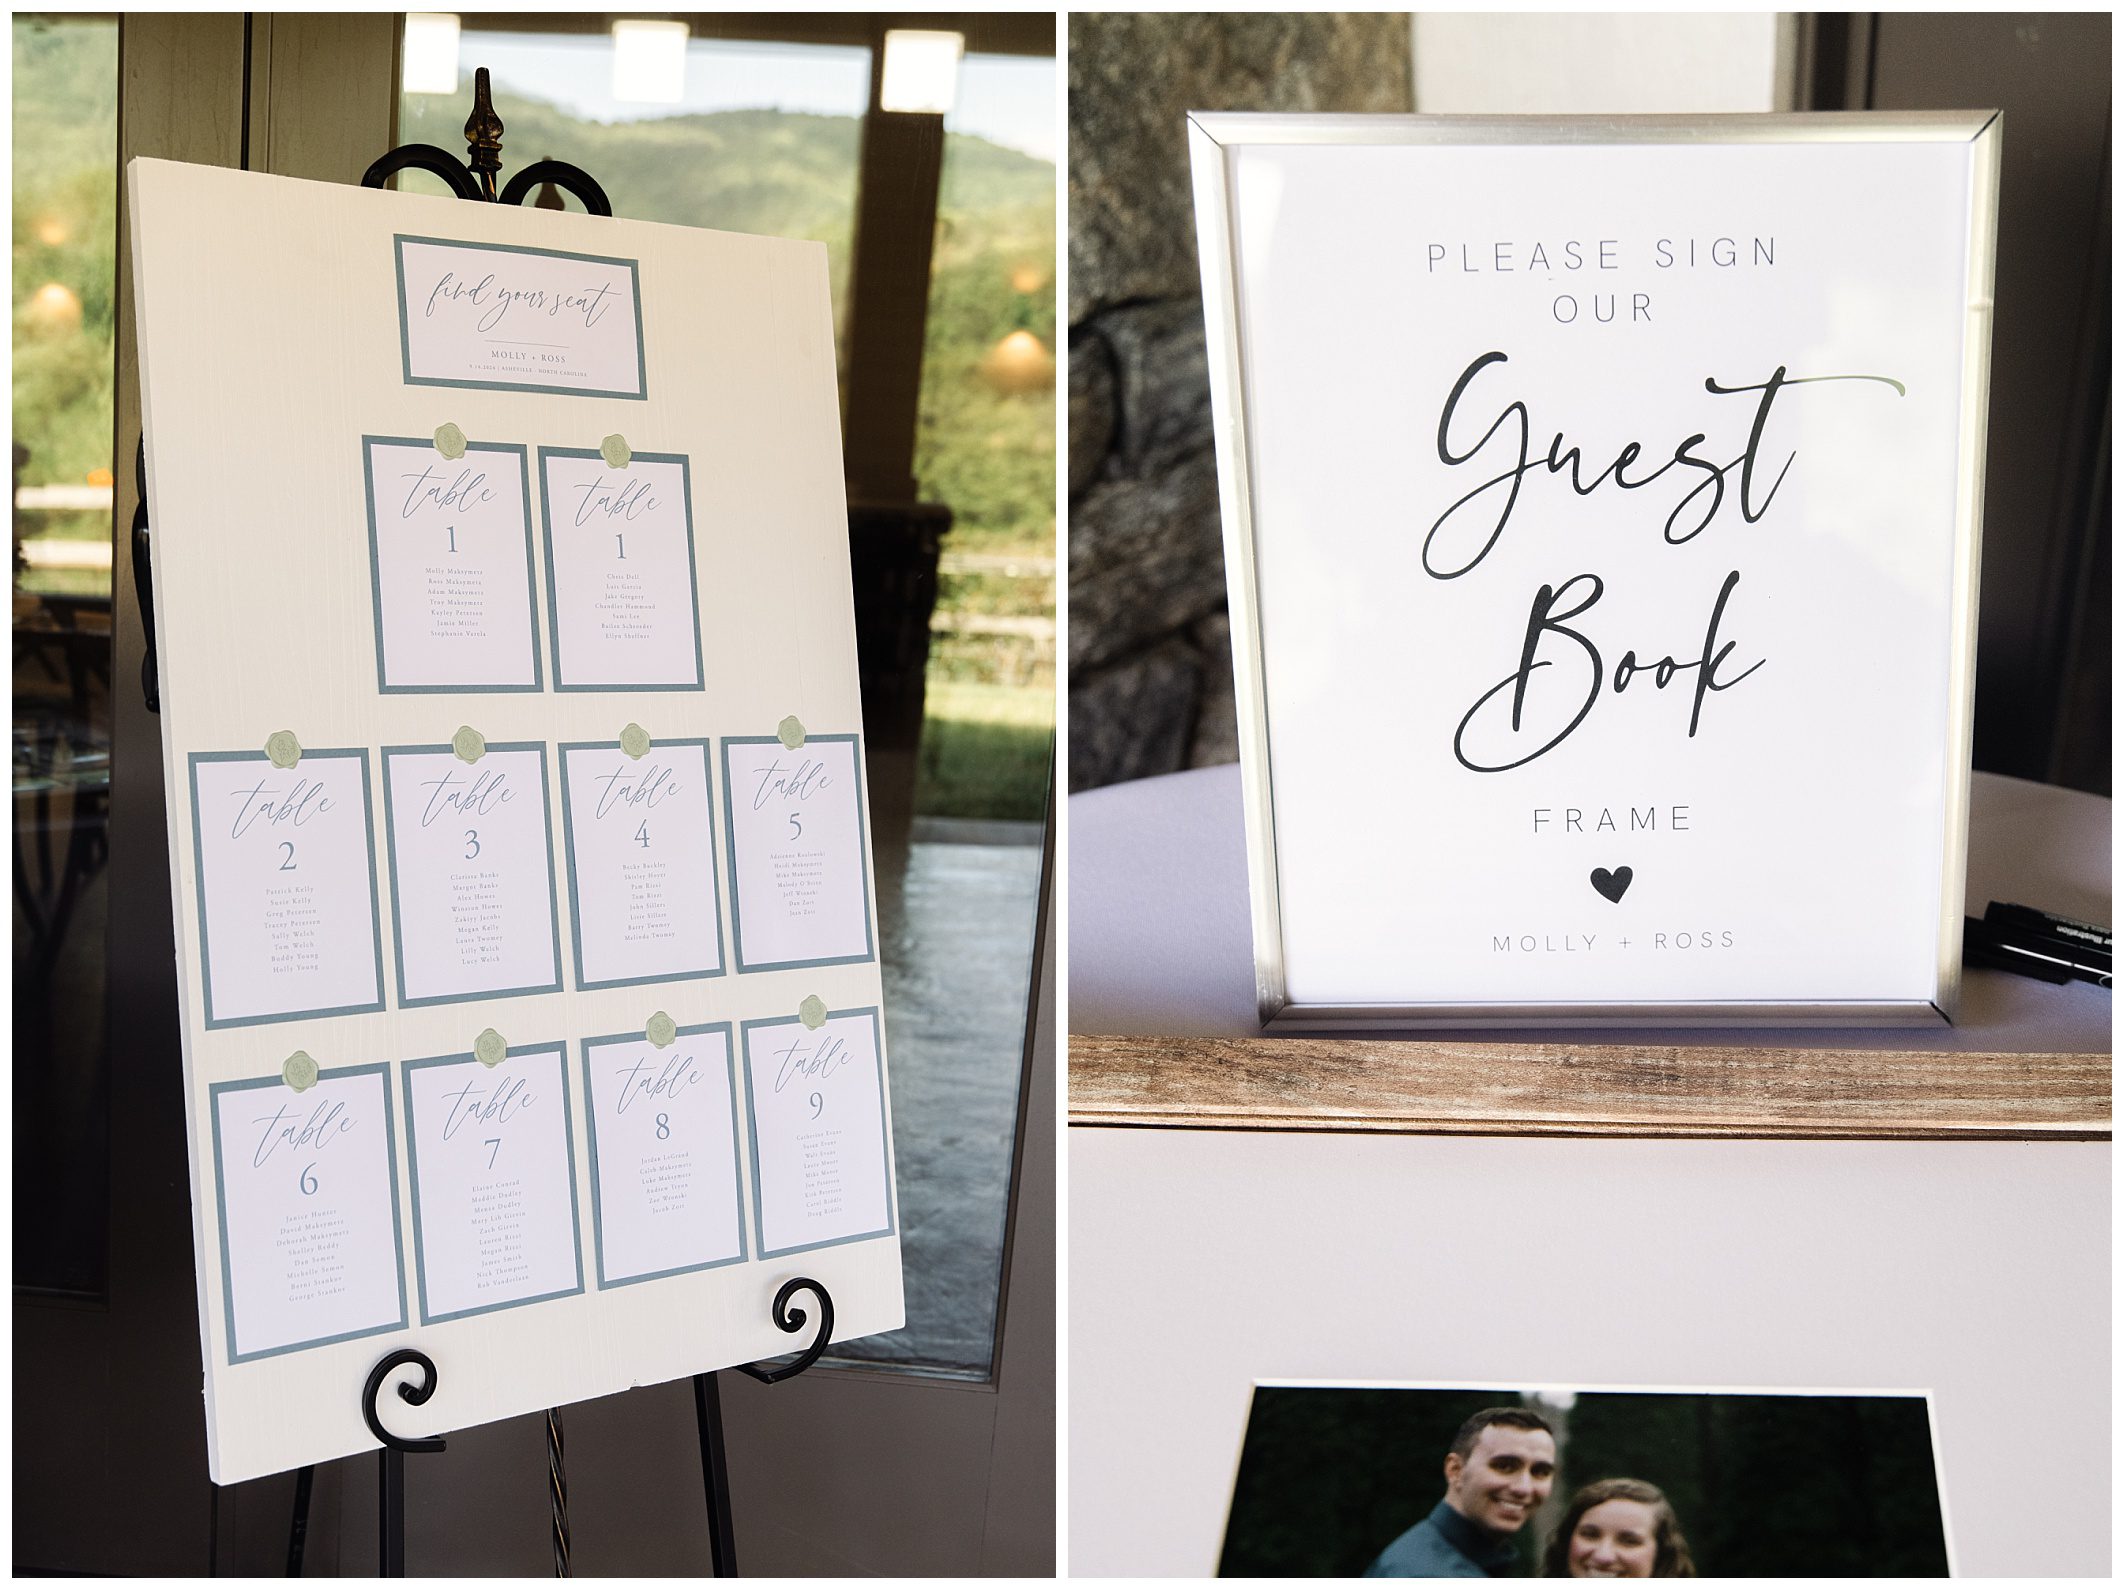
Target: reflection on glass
65	229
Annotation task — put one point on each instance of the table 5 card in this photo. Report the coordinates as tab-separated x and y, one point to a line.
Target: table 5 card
287	886
664	1178
472	883
821	1175
800	877
641	863
621	590
494	1205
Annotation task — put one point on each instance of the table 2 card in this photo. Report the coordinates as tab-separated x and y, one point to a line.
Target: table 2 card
472	886
494	1205
820	1171
308	1208
800	876
620	578
286	862
664	1178
641	863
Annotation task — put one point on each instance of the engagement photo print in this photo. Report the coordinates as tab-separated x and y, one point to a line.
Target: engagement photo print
1416	1483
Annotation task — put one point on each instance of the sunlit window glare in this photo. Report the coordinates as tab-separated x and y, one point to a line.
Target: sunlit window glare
431	52
649	62
921	71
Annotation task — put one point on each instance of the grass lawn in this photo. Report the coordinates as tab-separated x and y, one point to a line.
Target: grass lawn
985	750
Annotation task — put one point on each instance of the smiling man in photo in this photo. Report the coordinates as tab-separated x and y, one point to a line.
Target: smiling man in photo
1498	1472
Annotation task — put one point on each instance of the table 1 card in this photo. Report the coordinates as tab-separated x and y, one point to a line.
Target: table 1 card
800	877
450	566
820	1173
664	1178
307	1195
494	1206
472	886
641	863
621	589
519	319
286	859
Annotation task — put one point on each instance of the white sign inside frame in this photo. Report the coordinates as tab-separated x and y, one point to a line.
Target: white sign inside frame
1601	512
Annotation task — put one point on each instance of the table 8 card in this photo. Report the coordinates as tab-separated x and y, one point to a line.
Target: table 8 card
816	1098
494	1204
286	861
799	871
472	884
621	589
664	1176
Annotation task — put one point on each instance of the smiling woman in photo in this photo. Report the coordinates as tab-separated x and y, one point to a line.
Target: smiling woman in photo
1619	1529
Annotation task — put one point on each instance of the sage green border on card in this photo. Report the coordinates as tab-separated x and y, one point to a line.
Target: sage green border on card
737	936
398	944
368	480
715	882
737	1168
405	335
221	1208
206	965
559	1048
693	566
752	1130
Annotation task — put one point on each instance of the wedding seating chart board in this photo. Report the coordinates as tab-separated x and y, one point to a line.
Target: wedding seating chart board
1601	506
521	863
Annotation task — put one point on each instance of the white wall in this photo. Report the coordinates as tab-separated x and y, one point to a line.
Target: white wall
1602	63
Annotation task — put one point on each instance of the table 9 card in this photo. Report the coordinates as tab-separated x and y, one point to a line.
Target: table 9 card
472	885
664	1176
450	563
309	1210
287	886
494	1206
800	877
641	863
820	1172
620	582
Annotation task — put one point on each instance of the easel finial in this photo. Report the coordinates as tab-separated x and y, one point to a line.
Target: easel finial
483	133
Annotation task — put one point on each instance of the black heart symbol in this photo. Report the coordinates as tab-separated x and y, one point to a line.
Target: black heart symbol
1612	884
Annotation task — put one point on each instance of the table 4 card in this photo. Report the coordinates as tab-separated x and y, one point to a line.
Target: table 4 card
286	861
308	1209
450	567
494	1204
641	863
621	587
800	875
664	1177
816	1097
472	884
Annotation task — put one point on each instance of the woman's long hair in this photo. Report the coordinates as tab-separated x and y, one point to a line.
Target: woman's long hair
1671	1560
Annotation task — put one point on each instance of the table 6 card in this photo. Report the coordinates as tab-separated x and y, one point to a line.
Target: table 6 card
799	863
621	585
308	1210
821	1171
494	1204
641	863
472	883
665	1192
286	864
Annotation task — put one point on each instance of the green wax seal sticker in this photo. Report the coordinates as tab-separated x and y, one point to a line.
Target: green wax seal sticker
299	1072
790	732
616	451
449	441
812	1013
634	740
469	744
661	1030
283	749
490	1048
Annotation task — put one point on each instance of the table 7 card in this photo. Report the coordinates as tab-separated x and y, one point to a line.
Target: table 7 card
641	863
817	1101
800	878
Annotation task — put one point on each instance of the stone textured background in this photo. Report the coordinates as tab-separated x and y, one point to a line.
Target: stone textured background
1150	674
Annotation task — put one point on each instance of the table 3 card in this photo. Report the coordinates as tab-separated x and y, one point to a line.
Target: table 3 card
800	876
816	1097
664	1178
307	1188
472	883
286	858
621	588
450	565
494	1205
